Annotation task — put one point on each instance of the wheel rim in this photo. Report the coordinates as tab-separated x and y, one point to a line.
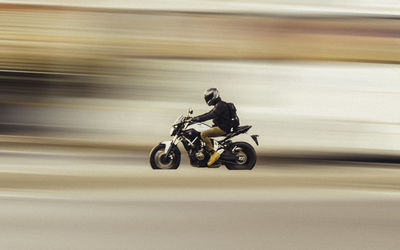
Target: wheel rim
242	157
160	160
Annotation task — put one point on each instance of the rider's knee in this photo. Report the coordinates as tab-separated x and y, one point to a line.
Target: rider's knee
203	135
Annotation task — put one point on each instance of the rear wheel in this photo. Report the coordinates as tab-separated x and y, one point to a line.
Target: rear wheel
159	160
245	154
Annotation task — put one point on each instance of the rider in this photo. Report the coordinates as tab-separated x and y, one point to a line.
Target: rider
221	118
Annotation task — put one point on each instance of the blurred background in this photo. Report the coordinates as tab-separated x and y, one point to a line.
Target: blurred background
87	88
309	75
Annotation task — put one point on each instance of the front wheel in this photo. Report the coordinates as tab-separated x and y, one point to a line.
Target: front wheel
159	160
245	154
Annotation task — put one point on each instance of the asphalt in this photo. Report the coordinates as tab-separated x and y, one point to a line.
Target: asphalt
109	199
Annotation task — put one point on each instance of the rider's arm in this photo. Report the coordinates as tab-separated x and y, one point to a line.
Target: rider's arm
216	111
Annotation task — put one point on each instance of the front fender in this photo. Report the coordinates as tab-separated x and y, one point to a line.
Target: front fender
167	145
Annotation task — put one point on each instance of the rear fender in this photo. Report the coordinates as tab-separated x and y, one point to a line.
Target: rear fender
255	139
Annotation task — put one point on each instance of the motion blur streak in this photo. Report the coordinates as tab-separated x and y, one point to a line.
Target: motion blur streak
87	88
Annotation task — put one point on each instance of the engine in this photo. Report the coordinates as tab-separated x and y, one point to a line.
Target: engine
192	143
199	155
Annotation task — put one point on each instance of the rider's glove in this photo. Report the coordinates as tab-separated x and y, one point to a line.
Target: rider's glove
195	119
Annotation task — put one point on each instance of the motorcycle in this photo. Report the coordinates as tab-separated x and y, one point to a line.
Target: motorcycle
234	155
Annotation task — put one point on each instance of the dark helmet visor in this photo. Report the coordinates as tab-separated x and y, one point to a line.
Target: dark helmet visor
208	97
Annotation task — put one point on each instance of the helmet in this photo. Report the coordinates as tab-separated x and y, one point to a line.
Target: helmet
211	96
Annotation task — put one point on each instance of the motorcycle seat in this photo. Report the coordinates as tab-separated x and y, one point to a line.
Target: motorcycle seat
242	129
238	130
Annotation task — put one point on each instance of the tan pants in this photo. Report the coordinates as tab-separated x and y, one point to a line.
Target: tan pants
212	132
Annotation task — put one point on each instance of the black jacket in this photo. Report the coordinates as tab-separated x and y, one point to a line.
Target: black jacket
220	115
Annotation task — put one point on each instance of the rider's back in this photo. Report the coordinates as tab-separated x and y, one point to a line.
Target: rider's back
225	115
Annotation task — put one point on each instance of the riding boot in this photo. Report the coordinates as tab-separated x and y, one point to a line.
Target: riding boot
213	158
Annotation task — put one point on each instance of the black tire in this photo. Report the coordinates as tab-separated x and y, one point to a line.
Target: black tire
158	162
248	153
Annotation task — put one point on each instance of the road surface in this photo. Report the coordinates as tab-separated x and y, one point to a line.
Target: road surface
108	200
